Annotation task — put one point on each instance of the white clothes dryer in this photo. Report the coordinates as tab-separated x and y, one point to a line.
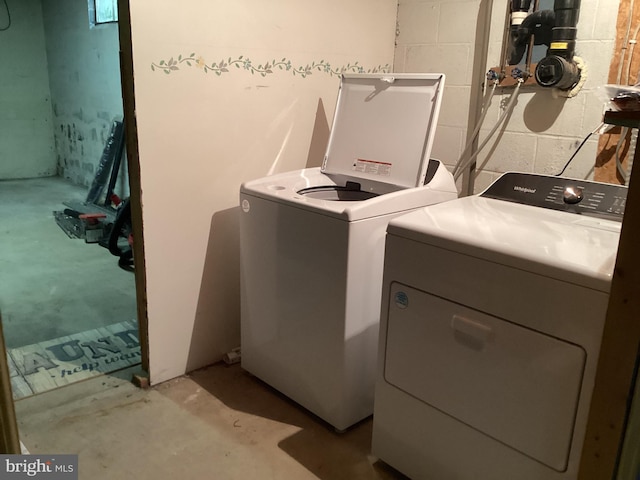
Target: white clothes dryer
312	244
492	315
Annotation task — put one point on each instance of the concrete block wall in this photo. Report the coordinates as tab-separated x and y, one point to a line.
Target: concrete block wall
544	129
84	73
26	133
438	36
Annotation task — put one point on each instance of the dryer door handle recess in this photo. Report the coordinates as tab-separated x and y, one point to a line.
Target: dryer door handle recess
471	332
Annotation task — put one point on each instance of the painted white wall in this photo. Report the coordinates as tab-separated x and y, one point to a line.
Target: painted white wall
543	130
26	132
84	75
202	132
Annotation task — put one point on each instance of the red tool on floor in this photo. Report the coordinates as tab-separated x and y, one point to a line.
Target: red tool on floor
82	225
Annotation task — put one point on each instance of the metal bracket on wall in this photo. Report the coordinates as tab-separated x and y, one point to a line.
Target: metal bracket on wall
509	75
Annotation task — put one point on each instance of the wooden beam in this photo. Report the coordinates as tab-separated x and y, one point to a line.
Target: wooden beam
9	440
133	164
615	375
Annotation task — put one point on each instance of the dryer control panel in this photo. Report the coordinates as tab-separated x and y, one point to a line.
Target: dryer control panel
564	194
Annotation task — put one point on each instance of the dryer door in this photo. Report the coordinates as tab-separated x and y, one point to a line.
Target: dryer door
514	384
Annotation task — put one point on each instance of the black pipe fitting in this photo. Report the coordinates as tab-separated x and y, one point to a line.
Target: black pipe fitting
563	35
558	68
558	72
520	5
539	24
541	18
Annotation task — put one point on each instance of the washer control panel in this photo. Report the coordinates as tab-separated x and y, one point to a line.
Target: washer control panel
557	193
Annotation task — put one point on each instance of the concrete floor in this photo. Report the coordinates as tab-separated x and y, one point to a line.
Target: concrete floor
51	285
216	423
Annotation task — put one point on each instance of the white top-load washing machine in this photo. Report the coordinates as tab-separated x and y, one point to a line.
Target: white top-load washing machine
312	244
492	314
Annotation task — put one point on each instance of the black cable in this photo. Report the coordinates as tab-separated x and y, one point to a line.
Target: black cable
122	226
8	16
576	152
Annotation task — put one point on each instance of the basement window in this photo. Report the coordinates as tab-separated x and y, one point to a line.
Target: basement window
102	11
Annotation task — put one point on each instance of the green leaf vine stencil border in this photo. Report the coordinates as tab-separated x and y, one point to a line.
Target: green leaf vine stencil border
263	69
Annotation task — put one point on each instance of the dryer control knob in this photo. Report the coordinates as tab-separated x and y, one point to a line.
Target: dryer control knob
573	194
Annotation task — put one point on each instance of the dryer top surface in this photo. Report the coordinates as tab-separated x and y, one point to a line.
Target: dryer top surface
567	246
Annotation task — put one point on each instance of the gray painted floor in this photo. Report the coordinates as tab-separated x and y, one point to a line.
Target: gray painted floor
216	423
51	285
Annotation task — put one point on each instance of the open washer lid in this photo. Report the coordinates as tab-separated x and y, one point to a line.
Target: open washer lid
383	129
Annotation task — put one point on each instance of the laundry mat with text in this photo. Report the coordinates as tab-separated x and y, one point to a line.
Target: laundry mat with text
55	363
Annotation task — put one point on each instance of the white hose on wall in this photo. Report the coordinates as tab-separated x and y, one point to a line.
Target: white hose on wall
483	113
462	165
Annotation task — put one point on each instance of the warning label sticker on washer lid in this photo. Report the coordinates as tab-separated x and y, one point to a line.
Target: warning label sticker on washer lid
372	166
